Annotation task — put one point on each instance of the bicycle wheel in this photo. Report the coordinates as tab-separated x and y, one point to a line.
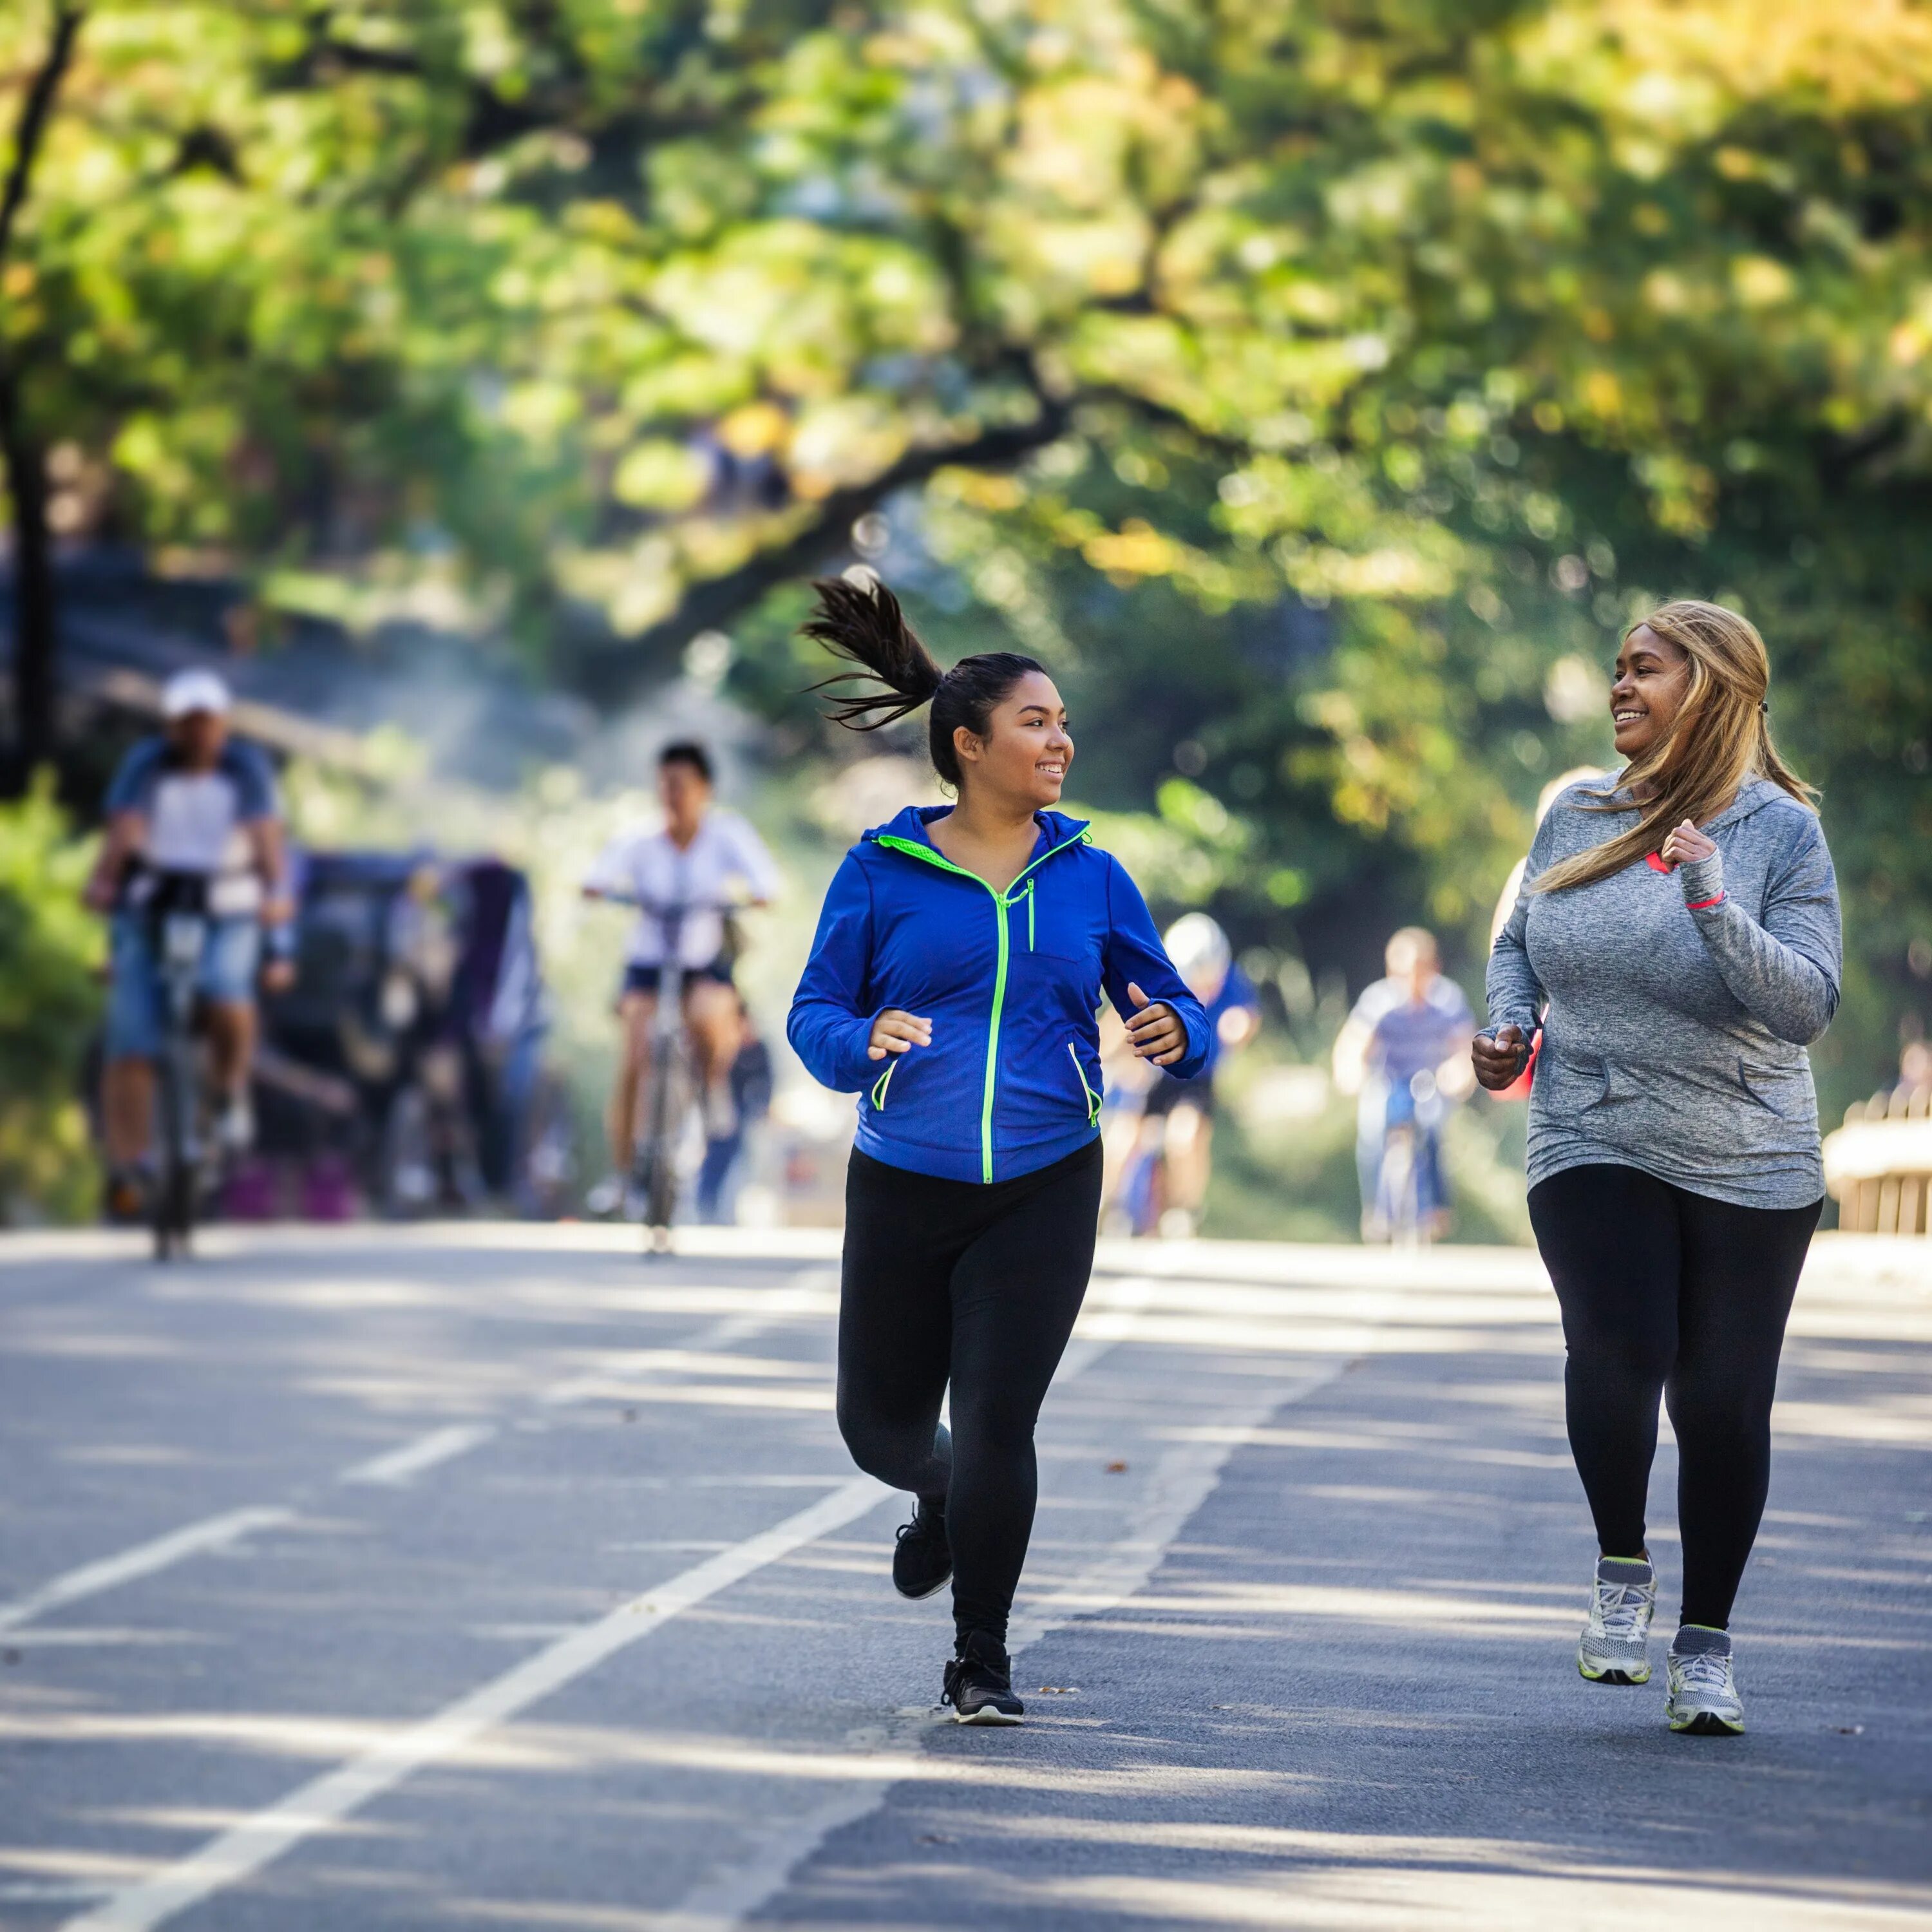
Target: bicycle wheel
172	1207
1401	1206
655	1171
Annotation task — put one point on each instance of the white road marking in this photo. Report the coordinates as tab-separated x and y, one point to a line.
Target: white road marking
393	1467
1183	1478
194	1539
239	1853
801	1296
397	1465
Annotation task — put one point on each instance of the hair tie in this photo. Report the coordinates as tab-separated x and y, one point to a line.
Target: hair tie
1764	705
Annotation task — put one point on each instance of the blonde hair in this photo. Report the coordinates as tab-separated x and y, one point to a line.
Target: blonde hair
1721	737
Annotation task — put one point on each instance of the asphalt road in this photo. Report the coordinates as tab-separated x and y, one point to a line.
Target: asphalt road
493	1577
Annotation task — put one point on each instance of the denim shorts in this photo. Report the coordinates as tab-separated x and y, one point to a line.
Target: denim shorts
136	1011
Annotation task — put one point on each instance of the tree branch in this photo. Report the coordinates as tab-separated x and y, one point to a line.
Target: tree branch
717	601
34	112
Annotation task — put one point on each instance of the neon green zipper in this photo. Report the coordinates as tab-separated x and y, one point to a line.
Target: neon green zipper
1093	1099
1003	902
884	1081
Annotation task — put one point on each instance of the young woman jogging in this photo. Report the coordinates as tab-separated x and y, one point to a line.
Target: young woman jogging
954	983
1677	931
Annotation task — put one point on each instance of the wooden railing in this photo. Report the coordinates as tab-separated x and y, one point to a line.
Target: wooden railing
1878	1165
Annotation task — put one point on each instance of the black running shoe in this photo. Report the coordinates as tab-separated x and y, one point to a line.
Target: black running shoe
979	1684
922	1563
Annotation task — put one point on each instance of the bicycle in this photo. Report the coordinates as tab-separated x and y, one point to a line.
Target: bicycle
673	1087
177	913
1408	1192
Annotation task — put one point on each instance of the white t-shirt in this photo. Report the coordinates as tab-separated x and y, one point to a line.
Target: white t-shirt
197	821
727	863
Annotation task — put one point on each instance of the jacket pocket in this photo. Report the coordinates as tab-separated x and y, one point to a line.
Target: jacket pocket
1761	1089
1089	1097
1603	1074
1052	932
881	1086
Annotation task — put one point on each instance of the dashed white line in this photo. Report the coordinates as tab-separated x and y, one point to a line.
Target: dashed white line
194	1539
1182	1480
244	1850
392	1468
239	1853
397	1465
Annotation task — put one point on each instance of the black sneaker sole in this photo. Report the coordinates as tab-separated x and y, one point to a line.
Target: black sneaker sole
920	1596
989	1713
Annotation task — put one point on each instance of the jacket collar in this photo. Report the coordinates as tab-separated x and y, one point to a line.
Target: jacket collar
1056	828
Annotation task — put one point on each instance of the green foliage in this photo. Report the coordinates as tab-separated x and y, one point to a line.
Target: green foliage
1317	387
49	1002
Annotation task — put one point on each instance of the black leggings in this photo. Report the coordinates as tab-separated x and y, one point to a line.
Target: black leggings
1665	1291
949	1280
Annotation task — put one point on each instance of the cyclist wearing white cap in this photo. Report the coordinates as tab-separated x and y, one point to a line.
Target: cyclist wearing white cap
191	800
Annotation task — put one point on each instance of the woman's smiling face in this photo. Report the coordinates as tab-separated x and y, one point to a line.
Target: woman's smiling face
1026	751
1653	675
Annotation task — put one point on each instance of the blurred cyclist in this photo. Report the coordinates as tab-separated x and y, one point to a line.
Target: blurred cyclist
1405	1043
192	800
702	858
1177	1125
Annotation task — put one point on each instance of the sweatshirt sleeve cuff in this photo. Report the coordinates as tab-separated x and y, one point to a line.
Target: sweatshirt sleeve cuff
1703	882
860	1068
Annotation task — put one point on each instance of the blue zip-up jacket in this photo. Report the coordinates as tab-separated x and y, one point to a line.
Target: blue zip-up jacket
1011	982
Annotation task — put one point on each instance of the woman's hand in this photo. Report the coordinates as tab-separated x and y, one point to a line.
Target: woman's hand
1686	846
896	1032
1156	1030
1498	1057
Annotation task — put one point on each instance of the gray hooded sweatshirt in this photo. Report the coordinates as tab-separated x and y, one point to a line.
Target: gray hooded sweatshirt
1676	1007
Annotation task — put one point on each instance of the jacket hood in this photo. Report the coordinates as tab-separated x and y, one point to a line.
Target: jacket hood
1754	795
911	823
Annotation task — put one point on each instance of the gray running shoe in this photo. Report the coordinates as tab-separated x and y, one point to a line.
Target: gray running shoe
1703	1699
1612	1648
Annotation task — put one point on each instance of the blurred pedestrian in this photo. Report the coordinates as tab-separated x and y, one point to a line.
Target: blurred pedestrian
1678	932
726	1154
1402	1053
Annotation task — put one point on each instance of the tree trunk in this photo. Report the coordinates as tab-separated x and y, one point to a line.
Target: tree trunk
35	698
35	702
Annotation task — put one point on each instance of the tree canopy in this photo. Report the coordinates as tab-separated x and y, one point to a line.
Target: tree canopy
1318	385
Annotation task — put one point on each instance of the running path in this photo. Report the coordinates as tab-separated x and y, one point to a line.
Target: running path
1344	1515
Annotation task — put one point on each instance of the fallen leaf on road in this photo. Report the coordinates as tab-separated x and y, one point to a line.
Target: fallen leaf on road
1117	1468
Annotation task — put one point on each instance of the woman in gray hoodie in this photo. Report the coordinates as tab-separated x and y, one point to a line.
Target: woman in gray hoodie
1677	937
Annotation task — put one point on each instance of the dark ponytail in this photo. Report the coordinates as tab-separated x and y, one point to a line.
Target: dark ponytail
863	623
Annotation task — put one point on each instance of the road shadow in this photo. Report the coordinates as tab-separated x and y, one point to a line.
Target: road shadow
1347	1697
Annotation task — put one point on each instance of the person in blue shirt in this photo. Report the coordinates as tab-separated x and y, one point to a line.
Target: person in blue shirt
195	801
1402	1051
1173	1158
954	984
